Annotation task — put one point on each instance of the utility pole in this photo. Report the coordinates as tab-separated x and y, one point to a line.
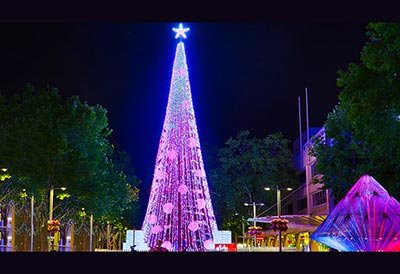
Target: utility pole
254	219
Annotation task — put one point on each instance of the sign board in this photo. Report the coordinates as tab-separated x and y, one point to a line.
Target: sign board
226	247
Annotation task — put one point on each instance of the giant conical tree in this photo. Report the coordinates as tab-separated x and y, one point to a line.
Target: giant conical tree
179	211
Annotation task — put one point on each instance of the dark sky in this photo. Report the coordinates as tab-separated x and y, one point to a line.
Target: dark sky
243	75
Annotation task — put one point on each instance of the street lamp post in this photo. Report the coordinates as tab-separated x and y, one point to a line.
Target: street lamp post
254	218
278	209
51	199
91	233
32	225
243	236
108	235
242	221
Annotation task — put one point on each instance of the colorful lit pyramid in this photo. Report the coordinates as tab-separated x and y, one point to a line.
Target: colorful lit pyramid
366	219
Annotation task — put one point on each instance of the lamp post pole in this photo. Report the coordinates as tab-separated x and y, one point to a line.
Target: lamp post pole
51	199
91	233
254	224
243	236
32	225
278	211
51	202
254	219
278	204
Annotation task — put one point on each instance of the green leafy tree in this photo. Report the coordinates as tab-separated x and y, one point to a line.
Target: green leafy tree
47	141
131	214
364	127
245	166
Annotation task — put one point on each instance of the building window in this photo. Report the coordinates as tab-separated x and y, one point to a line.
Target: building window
302	204
319	198
288	209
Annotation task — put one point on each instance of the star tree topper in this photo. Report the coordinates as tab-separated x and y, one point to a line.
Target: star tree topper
180	31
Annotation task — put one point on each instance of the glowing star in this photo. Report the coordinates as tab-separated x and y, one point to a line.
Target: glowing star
180	31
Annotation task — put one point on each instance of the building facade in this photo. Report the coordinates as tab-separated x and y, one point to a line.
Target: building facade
305	208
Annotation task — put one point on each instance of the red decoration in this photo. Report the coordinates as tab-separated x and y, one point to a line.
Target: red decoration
279	224
255	230
53	225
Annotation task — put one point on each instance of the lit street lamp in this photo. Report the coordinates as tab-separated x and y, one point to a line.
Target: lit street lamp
51	199
242	221
254	218
278	207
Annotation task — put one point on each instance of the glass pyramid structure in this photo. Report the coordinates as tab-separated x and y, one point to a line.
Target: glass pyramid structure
366	219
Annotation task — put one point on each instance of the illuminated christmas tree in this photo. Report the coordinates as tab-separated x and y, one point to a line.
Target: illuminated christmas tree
179	211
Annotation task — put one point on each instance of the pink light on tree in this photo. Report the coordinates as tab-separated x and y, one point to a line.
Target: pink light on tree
179	211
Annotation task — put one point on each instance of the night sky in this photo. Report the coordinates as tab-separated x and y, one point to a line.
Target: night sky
243	75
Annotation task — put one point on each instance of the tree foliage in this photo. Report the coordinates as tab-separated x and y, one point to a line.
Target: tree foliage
364	127
245	165
50	142
130	215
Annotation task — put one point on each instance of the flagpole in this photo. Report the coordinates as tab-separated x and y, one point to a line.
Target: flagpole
308	157
301	138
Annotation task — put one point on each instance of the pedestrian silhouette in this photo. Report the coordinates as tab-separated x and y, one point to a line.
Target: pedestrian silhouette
158	247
